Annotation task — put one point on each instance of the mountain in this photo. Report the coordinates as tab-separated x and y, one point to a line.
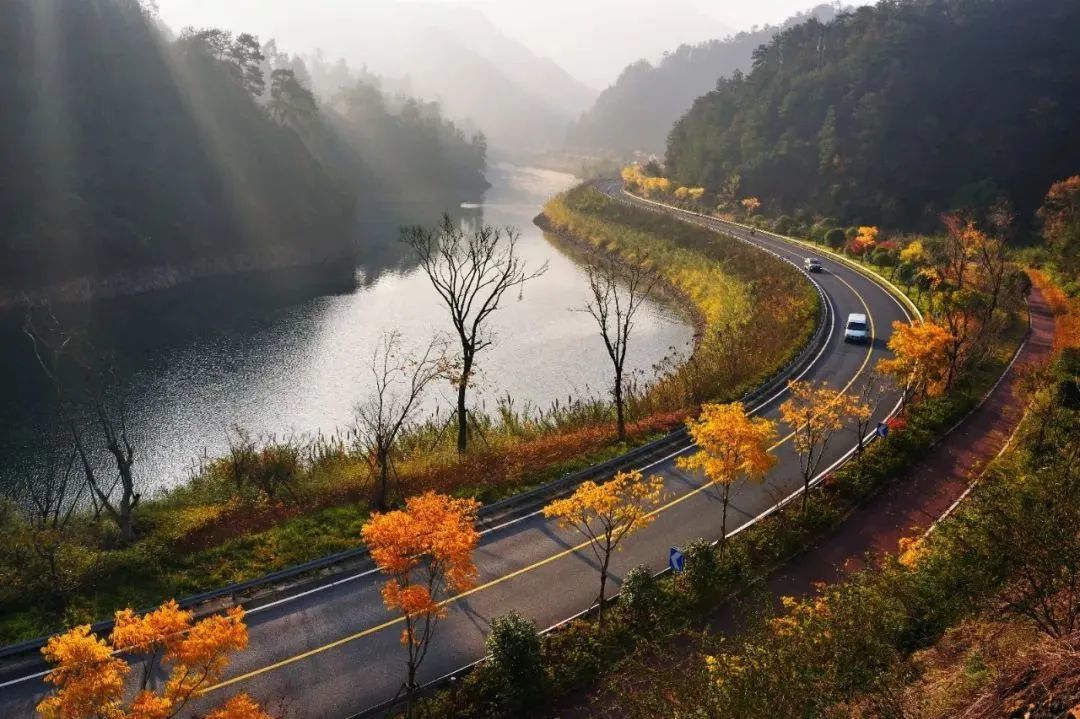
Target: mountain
436	51
124	151
894	113
595	40
132	160
638	111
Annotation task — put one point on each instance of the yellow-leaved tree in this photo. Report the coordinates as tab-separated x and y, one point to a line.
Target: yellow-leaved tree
751	205
426	550
815	413
733	447
696	193
914	253
682	193
921	358
91	677
608	513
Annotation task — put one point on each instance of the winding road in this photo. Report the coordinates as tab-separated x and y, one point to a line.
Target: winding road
334	651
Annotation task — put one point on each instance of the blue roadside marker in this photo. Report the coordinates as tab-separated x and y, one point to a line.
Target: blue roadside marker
676	560
882	430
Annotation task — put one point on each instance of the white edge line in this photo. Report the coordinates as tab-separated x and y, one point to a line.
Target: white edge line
830	311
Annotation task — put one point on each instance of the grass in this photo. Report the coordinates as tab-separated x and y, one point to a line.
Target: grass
753	314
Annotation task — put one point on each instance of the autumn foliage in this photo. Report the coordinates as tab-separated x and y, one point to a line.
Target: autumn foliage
864	241
1060	217
426	550
732	447
91	678
637	181
921	356
608	513
815	412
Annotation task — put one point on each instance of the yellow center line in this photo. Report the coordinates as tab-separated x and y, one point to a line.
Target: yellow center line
536	565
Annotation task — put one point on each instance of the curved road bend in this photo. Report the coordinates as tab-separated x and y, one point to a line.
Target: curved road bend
332	652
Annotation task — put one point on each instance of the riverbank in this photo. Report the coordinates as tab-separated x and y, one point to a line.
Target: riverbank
209	532
339	269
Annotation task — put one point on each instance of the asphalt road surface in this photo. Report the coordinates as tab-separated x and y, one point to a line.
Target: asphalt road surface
335	651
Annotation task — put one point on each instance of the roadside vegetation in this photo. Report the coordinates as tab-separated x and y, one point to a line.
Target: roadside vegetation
170	659
274	502
981	618
819	653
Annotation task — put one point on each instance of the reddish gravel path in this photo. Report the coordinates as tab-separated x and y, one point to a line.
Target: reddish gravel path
909	505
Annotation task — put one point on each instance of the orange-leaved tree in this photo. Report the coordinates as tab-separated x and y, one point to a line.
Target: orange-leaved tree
921	357
91	677
733	447
815	413
751	205
865	240
608	513
426	550
1060	216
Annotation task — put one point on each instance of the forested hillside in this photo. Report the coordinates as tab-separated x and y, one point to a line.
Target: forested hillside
127	150
637	112
897	112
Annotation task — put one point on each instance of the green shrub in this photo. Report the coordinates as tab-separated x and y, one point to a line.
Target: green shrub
905	272
783	225
640	597
883	258
515	677
835	238
702	574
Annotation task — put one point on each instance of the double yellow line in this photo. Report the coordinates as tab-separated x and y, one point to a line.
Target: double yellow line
536	565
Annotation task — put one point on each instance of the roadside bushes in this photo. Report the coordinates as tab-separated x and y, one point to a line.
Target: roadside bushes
515	678
867	634
836	238
753	313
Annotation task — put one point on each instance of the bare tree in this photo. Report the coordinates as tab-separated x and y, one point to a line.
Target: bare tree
471	272
46	498
862	405
400	382
82	377
618	292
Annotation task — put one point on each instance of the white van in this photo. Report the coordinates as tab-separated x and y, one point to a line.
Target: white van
856	330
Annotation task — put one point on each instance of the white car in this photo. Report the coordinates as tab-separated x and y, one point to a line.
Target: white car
812	265
856	330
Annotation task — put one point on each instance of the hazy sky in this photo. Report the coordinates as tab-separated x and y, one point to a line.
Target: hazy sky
592	39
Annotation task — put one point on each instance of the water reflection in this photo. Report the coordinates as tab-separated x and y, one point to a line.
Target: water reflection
286	352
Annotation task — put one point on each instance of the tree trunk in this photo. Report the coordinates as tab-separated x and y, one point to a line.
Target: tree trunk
620	410
603	589
384	479
462	416
723	519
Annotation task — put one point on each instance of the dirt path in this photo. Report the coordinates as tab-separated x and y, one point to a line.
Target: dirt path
909	505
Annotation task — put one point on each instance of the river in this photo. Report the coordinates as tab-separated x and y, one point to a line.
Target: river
278	356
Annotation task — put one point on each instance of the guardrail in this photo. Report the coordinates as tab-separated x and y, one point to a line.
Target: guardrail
906	302
504	509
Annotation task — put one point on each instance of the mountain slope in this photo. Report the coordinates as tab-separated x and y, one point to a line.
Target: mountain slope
638	111
898	112
122	151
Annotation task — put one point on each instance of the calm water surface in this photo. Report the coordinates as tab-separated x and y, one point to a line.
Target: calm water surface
277	357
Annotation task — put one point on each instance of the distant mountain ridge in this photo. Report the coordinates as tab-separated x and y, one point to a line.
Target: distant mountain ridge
639	110
452	54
